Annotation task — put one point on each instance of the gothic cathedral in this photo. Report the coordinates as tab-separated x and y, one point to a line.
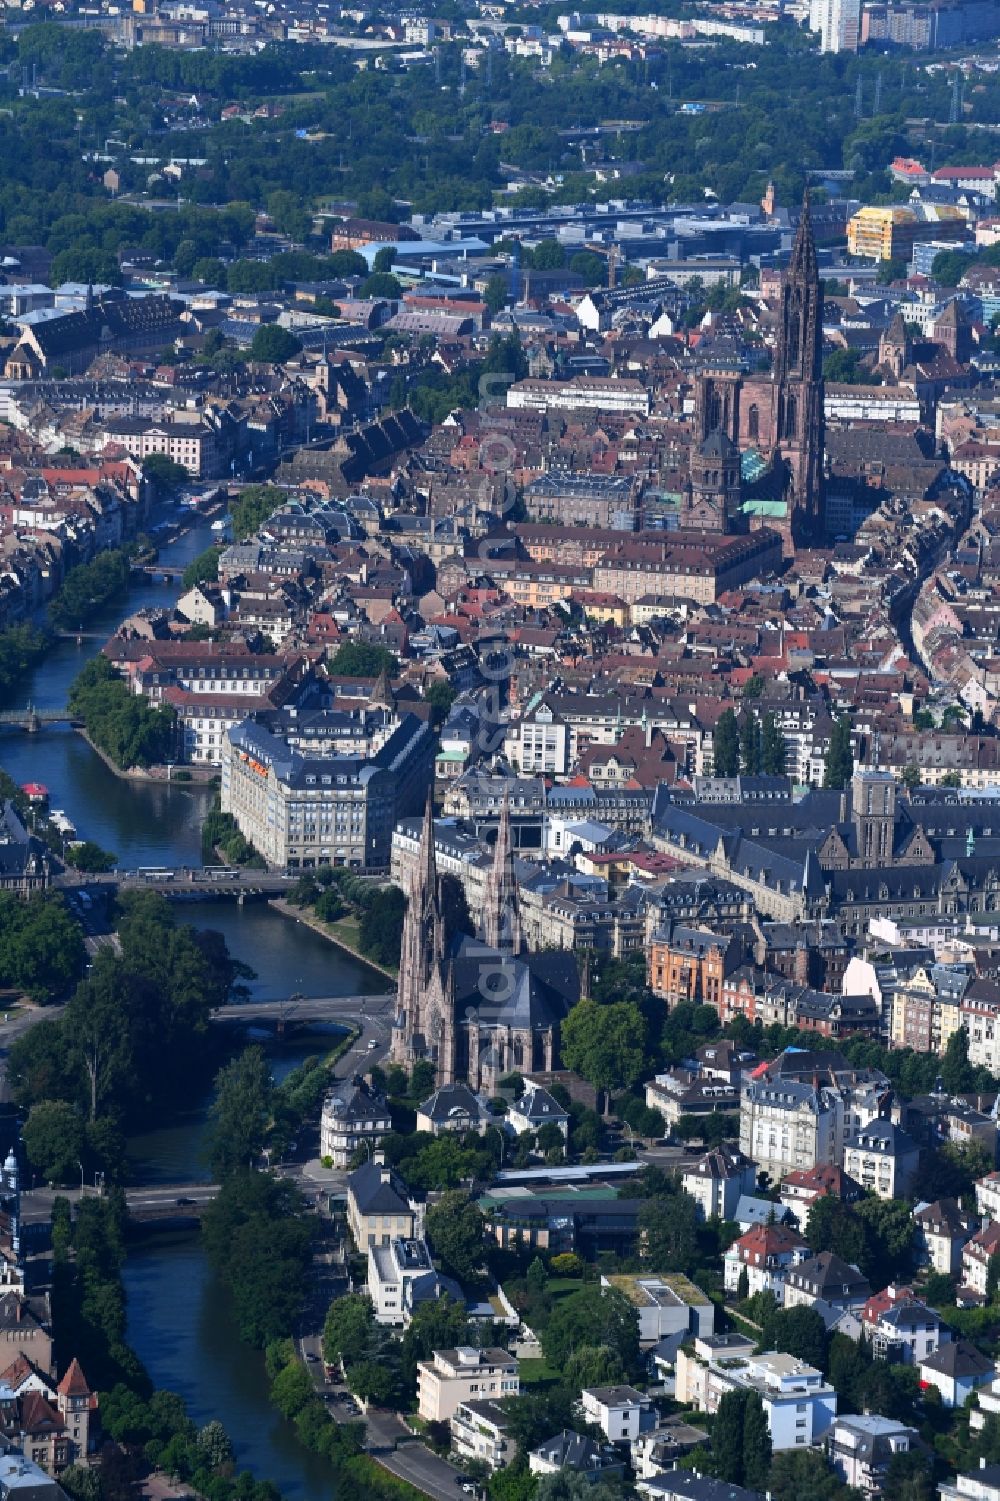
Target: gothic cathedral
477	1006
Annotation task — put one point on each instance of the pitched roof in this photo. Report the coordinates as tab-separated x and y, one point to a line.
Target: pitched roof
74	1382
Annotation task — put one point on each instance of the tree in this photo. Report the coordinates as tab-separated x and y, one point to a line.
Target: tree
382	285
726	745
889	1240
215	1445
750	744
668	1232
593	1317
805	1475
495	295
727	1437
163	473
832	1225
956	1071
240	1112
839	765
796	1331
772	750
605	1044
362	659
593	1365
370	1380
349	1330
909	1477
54	1139
89	857
204	569
252	507
273	345
455	1231
440	696
756	1444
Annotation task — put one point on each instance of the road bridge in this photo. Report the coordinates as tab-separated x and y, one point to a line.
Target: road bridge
32	719
374	1012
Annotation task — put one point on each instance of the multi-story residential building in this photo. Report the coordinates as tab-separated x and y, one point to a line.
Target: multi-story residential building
787	1125
718	1181
982	1485
902	1329
620	1412
981	1019
353	1115
826	1278
301	807
798	1402
799	1111
691	964
801	1189
883	1159
942	1230
976	1254
401	1277
539	742
861	1449
838	23
452	1377
480	1431
956	1369
988	1196
766	1253
378	1210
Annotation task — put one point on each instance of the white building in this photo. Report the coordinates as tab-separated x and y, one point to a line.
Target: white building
353	1114
862	1448
766	1253
401	1276
798	1403
619	1411
718	1181
988	1196
452	1377
479	1431
666	1305
883	1159
838	23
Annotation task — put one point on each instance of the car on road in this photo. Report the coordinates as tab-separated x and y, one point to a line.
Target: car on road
183	1201
372	1044
310	1356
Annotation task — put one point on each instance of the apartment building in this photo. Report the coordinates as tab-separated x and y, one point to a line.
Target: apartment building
861	1449
302	802
883	1159
378	1210
452	1377
353	1115
799	1404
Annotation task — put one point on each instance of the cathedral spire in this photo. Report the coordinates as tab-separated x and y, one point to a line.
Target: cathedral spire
501	917
803	262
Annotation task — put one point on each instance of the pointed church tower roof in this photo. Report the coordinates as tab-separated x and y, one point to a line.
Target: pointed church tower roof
74	1383
425	874
501	917
803	264
896	332
382	695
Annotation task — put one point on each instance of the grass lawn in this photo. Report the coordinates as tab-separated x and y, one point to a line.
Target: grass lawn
537	1373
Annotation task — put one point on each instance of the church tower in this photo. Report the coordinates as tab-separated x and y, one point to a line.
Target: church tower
799	379
421	947
501	916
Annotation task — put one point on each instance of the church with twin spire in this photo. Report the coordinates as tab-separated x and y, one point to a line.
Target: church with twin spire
477	1005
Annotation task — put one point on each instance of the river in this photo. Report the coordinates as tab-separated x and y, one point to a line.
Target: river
179	1318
